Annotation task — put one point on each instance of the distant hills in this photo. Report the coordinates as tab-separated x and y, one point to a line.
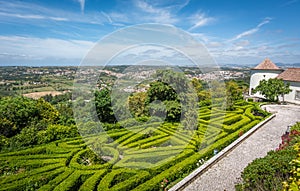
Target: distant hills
227	65
281	65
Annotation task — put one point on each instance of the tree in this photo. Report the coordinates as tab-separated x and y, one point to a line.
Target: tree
233	93
103	106
272	88
160	91
137	104
200	90
17	113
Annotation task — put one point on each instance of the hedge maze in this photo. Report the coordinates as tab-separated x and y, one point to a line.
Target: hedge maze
137	158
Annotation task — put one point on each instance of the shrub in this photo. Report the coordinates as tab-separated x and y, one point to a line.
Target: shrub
91	182
294	180
245	120
56	132
272	171
4	142
27	136
122	179
57	180
73	182
269	172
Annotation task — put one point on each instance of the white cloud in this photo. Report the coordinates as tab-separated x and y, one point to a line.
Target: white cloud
32	16
82	4
38	48
156	14
242	43
253	30
26	12
199	20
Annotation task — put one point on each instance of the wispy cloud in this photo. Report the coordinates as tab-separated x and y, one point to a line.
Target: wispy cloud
290	2
200	19
16	47
32	16
82	4
156	14
26	12
253	30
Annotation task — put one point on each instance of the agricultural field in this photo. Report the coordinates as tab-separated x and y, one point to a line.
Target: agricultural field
154	156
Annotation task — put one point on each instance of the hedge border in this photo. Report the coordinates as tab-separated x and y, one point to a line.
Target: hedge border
199	171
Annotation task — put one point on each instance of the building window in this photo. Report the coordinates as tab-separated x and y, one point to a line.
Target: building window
264	76
297	95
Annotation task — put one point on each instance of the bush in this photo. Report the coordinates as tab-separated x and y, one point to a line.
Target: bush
27	137
269	172
272	171
91	182
57	132
122	179
4	142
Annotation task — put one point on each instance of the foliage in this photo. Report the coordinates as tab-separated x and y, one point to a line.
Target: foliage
272	171
58	98
268	173
157	151
160	91
137	104
57	132
65	113
199	86
293	183
272	88
103	106
17	113
233	93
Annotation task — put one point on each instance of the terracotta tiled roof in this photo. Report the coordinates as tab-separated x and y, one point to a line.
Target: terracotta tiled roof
267	64
291	74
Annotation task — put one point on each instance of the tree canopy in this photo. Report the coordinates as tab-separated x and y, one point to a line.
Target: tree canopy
272	88
17	113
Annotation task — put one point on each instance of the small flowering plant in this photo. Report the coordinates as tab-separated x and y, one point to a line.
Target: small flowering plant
164	184
287	138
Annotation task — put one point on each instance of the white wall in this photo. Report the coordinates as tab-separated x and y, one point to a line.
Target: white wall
291	96
258	75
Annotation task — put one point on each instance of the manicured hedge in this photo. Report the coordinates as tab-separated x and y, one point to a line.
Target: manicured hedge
31	182
122	180
245	120
107	150
142	156
92	182
16	177
144	141
74	181
57	180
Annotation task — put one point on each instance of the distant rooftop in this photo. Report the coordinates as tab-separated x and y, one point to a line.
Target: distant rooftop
291	74
267	64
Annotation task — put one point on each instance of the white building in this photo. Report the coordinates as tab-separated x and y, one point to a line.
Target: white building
267	69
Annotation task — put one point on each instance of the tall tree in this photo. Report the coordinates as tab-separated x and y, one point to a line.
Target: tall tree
233	93
103	106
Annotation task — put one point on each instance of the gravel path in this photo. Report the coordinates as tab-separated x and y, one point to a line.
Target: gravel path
224	174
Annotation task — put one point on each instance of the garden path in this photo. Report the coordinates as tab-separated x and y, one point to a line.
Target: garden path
223	175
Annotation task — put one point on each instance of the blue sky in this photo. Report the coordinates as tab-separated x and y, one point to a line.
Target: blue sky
61	32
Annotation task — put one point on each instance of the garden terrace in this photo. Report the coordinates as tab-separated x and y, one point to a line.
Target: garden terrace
146	157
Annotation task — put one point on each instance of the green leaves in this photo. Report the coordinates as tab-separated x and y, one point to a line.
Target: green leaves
17	113
272	88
